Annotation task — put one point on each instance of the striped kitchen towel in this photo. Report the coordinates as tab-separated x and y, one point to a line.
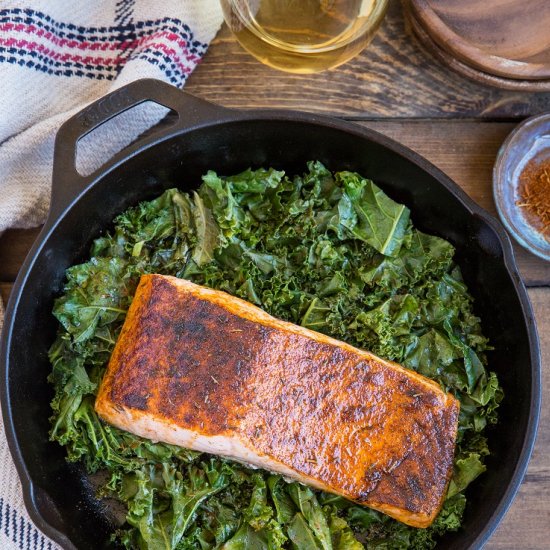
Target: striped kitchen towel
57	56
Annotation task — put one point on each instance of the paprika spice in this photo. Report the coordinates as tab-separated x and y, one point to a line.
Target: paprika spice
534	194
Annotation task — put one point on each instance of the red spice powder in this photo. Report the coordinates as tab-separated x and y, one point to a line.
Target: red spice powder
534	194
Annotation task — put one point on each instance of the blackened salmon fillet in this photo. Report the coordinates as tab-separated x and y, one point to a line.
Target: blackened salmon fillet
201	369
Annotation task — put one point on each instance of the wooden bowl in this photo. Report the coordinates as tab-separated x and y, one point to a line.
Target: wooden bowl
506	38
465	69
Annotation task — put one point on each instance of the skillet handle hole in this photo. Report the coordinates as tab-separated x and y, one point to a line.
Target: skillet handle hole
101	144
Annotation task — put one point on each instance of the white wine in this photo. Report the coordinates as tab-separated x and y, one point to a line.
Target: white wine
304	36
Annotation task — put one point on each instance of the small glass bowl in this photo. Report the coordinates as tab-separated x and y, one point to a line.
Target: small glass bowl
528	141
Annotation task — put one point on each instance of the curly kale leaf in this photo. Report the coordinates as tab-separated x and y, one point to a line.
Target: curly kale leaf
328	251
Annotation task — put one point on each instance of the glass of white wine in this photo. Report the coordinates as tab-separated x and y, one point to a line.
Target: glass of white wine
304	36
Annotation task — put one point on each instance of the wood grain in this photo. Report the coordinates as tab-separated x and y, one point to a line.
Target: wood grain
466	151
527	524
14	246
394	77
5	289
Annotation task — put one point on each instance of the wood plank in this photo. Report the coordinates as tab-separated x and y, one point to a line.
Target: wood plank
464	150
14	246
5	289
394	77
527	523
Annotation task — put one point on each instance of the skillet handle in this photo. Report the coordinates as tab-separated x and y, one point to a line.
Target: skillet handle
68	184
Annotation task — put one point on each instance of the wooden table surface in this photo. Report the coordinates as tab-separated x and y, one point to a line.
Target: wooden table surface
397	89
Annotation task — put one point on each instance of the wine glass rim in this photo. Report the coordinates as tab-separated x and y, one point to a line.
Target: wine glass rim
373	21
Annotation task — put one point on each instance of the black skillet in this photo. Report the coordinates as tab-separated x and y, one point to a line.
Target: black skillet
205	136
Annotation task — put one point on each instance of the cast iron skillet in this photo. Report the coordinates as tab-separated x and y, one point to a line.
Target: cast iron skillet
57	495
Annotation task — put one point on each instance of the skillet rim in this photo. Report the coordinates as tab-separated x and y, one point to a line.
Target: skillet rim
227	116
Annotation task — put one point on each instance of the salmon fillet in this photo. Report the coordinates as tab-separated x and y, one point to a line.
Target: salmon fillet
204	370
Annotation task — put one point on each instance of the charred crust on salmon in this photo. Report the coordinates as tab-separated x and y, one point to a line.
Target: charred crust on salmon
202	369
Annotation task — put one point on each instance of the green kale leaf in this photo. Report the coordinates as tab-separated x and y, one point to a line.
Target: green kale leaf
329	251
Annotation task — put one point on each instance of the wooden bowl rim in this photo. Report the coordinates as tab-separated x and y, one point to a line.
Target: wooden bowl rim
471	72
457	46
